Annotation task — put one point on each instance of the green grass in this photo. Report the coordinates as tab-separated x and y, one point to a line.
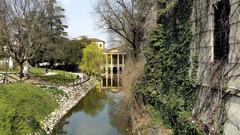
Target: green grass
61	77
56	79
14	70
41	71
57	93
9	71
22	106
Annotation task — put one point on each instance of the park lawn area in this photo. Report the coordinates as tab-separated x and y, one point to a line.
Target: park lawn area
41	71
22	106
9	71
61	77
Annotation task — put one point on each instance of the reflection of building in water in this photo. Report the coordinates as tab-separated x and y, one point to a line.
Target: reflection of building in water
115	62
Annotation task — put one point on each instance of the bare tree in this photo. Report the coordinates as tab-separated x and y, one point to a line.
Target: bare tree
24	27
127	19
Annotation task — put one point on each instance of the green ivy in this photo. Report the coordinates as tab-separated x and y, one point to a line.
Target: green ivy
166	83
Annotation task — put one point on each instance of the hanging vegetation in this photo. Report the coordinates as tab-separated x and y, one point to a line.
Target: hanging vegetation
166	84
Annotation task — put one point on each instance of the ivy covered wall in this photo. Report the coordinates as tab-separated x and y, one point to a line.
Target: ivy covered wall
166	84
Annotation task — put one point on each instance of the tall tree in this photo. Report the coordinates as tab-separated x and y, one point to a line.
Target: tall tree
56	17
92	59
126	19
24	28
56	27
55	21
1	47
75	51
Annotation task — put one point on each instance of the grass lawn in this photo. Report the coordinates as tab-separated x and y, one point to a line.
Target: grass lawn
61	77
22	106
9	71
41	71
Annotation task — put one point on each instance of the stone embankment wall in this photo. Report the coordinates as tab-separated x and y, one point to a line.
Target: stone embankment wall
75	94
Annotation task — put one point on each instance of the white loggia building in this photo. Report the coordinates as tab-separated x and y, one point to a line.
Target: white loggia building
115	62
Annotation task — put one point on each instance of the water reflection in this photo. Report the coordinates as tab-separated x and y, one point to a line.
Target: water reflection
96	114
93	103
111	81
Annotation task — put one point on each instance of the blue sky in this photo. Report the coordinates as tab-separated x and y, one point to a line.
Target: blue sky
80	19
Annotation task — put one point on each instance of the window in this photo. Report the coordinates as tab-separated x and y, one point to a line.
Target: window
104	70
109	70
120	69
104	82
120	59
115	70
109	58
115	59
221	30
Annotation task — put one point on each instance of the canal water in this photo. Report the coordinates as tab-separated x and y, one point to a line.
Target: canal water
99	113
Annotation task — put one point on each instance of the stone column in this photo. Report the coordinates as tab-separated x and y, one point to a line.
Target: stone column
106	80
111	70
111	63
112	79
118	75
123	60
117	63
106	65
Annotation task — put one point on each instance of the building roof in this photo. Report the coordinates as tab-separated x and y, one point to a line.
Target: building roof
91	39
114	50
96	40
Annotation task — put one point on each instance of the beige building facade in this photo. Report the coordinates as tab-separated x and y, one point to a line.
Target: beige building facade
114	65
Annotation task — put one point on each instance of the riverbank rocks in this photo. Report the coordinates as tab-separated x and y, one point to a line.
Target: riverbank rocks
74	94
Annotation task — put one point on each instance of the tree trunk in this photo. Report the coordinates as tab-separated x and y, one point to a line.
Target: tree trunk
21	71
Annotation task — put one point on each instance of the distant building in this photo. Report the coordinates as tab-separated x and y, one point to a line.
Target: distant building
115	63
99	42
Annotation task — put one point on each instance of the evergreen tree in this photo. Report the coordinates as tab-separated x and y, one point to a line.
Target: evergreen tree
56	17
56	34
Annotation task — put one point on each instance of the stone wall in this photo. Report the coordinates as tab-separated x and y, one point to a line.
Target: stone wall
75	94
202	47
232	125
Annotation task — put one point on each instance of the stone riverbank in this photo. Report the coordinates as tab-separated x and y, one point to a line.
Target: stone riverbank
74	95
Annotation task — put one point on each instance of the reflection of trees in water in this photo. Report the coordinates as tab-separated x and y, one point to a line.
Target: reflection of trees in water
119	115
93	103
59	130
